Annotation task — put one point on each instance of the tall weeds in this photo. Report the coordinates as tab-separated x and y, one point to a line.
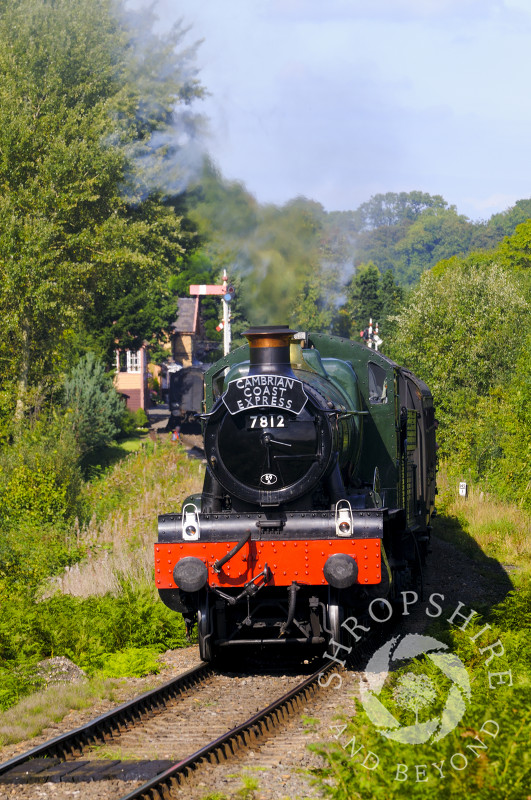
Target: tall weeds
118	539
501	529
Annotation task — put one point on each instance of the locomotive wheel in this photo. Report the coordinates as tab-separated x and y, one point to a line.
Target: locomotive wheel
204	630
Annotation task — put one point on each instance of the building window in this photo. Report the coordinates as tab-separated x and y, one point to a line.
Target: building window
133	360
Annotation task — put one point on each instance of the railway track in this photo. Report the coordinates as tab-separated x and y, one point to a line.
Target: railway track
178	717
56	757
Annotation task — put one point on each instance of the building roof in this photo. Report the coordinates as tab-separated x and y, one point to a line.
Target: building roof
187	315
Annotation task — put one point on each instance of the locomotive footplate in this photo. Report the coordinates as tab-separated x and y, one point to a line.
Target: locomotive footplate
296	551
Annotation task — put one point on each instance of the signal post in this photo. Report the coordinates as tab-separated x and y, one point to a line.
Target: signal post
227	293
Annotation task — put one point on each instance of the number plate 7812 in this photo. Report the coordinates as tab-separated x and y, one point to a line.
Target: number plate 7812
256	421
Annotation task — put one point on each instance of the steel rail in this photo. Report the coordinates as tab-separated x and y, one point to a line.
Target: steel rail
225	746
102	728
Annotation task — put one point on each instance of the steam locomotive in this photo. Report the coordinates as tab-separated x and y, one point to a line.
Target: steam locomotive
318	493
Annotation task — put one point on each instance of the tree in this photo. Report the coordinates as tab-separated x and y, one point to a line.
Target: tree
364	301
315	308
505	223
93	403
515	251
80	111
495	441
392	209
436	234
409	233
457	331
392	299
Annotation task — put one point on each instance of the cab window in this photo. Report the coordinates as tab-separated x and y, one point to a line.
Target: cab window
377	384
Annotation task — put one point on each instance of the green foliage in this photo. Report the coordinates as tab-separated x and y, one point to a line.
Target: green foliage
296	259
283	255
364	300
275	250
457	333
128	424
141	418
31	551
222	208
515	251
461	331
408	233
131	421
390	209
505	223
370	296
134	626
250	787
87	108
40	481
435	235
503	770
495	443
133	661
16	684
94	407
34	495
7	414
316	306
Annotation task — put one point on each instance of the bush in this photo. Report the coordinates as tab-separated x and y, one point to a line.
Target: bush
127	424
117	635
40	479
133	661
30	552
131	421
141	418
16	684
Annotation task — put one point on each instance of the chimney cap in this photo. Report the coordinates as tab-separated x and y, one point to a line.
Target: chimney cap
268	330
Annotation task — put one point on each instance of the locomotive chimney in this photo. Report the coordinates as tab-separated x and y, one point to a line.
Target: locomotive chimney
269	347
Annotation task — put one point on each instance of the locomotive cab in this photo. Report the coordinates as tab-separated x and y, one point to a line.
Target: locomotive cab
313	493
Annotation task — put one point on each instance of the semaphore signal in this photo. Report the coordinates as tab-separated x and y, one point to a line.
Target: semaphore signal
226	292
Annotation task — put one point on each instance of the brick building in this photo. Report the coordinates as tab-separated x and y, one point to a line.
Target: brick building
131	379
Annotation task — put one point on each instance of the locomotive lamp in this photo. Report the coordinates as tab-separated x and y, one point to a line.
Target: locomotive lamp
344	522
191	525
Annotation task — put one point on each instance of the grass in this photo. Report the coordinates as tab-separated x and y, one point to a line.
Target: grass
250	786
100	461
126	502
481	524
35	713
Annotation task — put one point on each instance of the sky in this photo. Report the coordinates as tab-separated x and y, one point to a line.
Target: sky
338	100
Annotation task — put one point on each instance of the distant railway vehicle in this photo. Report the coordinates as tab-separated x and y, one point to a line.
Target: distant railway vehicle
318	494
186	393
